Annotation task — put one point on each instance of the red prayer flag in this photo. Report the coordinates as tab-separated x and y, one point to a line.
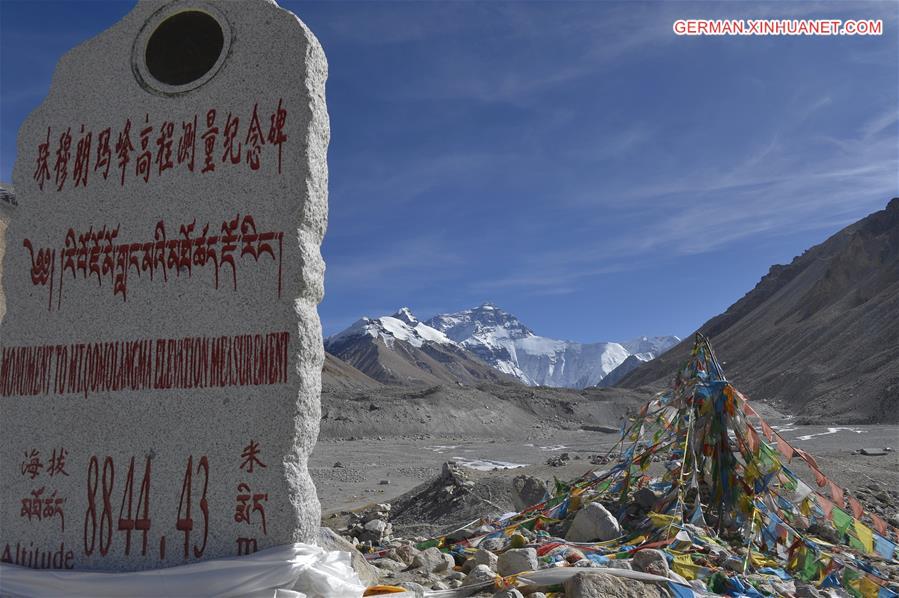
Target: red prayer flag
826	506
879	524
820	478
752	437
747	408
767	431
808	459
856	507
785	449
837	494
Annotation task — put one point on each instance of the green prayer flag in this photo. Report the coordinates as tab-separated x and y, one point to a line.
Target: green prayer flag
841	519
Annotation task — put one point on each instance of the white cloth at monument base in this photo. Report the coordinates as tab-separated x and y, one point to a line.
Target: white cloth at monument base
289	571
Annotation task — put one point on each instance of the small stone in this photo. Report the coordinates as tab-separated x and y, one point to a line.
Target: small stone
602	585
405	553
493	544
456	575
485	557
384	483
593	522
650	560
511	593
338	464
376	525
454	583
439	585
433	561
527	491
516	560
480	574
388	564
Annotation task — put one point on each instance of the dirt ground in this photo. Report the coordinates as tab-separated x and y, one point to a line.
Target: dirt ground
379	470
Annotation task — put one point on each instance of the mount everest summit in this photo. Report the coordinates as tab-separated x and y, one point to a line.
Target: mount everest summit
482	344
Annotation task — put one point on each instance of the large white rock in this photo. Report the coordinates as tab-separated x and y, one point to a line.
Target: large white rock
161	348
593	522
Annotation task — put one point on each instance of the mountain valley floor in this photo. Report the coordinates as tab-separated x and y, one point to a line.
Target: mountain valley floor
378	449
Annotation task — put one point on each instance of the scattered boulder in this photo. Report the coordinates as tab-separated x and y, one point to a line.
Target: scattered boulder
480	574
593	522
485	557
874	452
602	585
650	560
404	552
516	560
511	593
527	491
433	561
388	564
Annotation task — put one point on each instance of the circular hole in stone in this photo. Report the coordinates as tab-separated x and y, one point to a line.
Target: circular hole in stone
184	47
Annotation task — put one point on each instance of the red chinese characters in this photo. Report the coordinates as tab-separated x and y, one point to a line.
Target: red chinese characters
226	145
250	507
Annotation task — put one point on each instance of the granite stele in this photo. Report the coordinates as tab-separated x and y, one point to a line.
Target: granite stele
161	349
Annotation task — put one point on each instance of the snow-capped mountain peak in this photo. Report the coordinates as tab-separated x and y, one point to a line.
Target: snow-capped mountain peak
403	325
502	341
405	314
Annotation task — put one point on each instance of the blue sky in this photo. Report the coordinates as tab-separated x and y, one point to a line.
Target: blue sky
575	163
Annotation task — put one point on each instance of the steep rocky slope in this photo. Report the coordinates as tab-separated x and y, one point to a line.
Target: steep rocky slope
819	336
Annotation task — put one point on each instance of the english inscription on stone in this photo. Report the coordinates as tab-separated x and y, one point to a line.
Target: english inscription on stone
161	351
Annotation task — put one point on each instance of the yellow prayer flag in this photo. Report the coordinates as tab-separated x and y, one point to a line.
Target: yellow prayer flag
864	535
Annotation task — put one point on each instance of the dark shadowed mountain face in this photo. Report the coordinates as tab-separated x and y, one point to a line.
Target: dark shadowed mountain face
820	336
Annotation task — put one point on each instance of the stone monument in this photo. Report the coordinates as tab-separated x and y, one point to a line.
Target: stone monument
161	352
